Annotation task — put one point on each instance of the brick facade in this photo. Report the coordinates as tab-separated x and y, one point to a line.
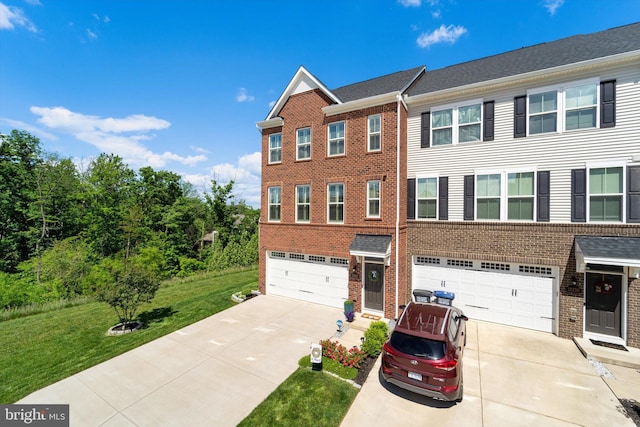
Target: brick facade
531	243
353	169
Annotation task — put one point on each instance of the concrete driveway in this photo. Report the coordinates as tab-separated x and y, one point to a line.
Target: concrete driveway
213	372
512	377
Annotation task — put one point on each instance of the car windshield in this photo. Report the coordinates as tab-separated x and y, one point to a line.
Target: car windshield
417	346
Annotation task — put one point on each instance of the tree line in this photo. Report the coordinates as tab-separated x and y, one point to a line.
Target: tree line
62	229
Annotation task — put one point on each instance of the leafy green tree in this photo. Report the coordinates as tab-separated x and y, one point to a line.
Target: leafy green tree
65	266
19	156
124	285
110	185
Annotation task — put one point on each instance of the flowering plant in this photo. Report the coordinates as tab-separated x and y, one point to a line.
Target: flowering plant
352	357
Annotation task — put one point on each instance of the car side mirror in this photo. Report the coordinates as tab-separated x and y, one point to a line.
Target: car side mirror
463	317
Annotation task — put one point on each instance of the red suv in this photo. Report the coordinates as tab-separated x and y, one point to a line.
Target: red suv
424	352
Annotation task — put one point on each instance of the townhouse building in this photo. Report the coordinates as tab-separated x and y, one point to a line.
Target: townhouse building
524	186
333	171
511	180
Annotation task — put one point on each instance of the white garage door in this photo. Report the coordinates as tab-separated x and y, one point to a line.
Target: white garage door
524	300
313	281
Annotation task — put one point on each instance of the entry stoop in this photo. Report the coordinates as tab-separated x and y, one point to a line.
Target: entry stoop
629	358
354	331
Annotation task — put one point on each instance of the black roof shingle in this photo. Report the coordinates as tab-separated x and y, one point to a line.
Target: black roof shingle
378	86
542	56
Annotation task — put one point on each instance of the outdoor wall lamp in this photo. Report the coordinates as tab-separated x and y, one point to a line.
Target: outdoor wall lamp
574	281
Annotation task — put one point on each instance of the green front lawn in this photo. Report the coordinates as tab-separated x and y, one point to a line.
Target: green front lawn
41	349
306	398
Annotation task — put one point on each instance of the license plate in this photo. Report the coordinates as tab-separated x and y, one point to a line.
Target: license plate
415	376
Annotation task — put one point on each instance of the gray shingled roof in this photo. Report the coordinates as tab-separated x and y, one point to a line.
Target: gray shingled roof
377	86
373	243
533	58
623	248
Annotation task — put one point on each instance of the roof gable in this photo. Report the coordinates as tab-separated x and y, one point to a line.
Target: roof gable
302	81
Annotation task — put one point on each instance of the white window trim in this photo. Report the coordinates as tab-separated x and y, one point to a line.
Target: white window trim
437	178
329	203
272	149
369	134
504	193
379	199
301	204
598	165
561	110
344	139
298	143
269	204
455	126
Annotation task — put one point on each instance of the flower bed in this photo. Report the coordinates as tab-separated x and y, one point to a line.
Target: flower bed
352	357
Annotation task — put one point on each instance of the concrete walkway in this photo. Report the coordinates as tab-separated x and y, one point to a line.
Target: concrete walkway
213	372
513	377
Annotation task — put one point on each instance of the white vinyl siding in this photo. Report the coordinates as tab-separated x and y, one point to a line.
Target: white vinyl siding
557	153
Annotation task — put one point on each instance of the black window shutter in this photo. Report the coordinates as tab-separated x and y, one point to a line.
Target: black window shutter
633	195
425	130
608	104
443	198
469	199
544	192
579	195
488	121
520	116
411	198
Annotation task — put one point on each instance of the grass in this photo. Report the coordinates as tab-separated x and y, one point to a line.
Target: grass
348	373
43	348
306	398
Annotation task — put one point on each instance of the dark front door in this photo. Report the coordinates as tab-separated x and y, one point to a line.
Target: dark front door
603	295
373	286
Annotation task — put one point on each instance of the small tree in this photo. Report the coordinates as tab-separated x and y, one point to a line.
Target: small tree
124	285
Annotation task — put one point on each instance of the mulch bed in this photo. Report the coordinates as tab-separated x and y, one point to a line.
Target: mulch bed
633	410
363	372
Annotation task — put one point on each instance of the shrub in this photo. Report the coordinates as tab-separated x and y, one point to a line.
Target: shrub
352	357
374	338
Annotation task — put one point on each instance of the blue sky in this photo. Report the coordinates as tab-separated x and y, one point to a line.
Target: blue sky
180	85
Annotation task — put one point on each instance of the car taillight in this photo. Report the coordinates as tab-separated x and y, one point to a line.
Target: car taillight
448	365
449	388
390	351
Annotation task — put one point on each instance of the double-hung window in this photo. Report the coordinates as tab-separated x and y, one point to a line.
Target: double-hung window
455	124
606	190
274	204
427	198
374	132
303	203
581	106
303	144
568	107
373	199
506	196
520	196
335	203
275	148
543	112
336	139
489	190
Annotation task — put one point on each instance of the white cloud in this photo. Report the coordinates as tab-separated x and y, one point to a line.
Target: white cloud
245	173
11	16
272	103
243	96
121	136
435	14
34	130
444	34
91	34
552	6
199	149
34	2
410	3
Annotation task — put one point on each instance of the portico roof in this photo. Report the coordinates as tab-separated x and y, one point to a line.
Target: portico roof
622	251
371	245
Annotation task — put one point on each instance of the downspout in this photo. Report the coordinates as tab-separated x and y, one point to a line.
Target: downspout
398	141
